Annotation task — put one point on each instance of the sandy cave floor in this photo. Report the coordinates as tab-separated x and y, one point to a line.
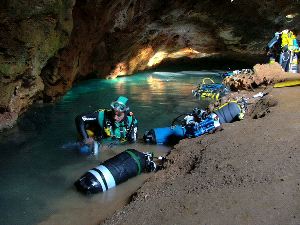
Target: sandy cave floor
248	173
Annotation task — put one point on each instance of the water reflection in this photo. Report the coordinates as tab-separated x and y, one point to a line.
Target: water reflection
155	84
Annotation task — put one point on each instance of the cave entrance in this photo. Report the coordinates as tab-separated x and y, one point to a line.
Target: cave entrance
226	62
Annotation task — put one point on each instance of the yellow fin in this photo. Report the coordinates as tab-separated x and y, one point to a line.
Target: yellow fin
287	83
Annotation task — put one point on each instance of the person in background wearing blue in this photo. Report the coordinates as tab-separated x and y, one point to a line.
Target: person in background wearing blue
114	124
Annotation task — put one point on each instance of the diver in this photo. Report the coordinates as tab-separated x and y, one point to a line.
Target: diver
115	124
284	49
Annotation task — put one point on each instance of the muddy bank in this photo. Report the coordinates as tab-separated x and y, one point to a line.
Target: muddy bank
248	173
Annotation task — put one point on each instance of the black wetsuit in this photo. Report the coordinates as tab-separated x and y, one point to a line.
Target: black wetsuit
86	121
107	127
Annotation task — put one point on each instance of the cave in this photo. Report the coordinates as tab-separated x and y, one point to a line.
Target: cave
58	43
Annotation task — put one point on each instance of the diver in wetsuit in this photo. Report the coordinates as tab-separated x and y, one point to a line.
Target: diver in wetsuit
116	123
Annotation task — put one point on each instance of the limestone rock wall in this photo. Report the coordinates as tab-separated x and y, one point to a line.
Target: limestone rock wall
115	38
31	32
47	45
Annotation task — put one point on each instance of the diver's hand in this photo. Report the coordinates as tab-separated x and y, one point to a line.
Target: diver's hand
88	141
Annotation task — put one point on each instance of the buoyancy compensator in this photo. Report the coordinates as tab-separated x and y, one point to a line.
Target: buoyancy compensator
209	89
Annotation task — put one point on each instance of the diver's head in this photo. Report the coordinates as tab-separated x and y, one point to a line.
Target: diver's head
119	107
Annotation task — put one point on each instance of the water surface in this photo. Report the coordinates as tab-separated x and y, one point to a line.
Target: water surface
37	174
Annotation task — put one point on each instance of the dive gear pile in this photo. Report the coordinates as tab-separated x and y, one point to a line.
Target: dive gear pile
209	89
131	162
197	123
192	124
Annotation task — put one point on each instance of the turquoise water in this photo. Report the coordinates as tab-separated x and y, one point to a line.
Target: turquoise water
37	174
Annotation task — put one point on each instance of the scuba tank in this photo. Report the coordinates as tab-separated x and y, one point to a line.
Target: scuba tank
228	112
164	135
114	171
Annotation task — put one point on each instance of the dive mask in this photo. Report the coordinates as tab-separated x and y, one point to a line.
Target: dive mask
117	106
120	104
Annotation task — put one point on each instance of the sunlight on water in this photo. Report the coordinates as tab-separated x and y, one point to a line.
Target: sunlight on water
37	173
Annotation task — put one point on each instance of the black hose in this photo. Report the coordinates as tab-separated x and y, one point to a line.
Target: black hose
130	128
184	114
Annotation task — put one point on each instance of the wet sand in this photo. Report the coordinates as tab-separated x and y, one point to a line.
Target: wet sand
248	173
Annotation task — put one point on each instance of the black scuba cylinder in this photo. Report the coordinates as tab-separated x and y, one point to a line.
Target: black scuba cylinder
228	112
112	172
